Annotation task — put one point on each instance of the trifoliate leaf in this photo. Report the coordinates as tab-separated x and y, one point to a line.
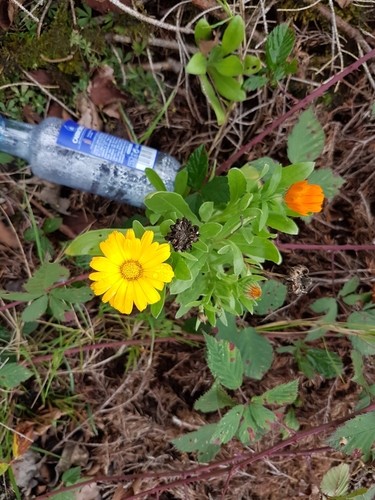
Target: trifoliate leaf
214	399
279	45
47	275
13	374
356	434
224	361
306	140
281	394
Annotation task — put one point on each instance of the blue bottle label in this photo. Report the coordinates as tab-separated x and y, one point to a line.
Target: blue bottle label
108	147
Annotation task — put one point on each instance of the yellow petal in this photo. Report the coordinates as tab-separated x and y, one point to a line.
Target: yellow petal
103	264
152	296
111	292
140	298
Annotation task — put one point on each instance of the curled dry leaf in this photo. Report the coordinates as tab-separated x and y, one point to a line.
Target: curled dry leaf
7	236
103	91
8	11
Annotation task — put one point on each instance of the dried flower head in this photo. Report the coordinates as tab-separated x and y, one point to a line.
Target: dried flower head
182	235
131	270
304	198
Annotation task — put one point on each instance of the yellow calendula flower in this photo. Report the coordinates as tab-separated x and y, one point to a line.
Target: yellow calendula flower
304	198
131	271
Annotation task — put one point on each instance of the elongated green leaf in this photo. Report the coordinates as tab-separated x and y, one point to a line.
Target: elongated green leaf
237	184
263	249
35	309
13	374
202	31
229	66
294	173
224	361
169	203
57	308
206	210
234	35
279	45
281	394
88	243
158	307
282	223
22	296
209	91
199	441
210	230
357	433
197	64
48	274
228	425
181	182
227	86
180	268
214	399
306	140
349	287
155	179
335	482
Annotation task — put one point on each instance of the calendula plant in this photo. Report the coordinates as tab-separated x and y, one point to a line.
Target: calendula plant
207	240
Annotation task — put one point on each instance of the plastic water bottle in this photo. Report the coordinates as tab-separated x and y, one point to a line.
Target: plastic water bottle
69	154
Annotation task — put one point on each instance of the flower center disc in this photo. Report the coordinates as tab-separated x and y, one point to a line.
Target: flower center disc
131	270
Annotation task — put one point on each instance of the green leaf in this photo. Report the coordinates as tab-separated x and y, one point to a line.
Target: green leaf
256	419
5	158
88	243
363	341
254	82
237	184
227	86
19	296
273	296
180	268
47	275
52	224
214	399
154	178
209	91
324	304
197	167
210	230
35	309
158	307
256	350
335	482
216	190
279	45
71	476
199	441
228	425
229	66
224	361
264	249
166	203
73	295
358	367
202	31
282	223
329	182
206	210
349	287
281	394
325	362
306	140
58	308
234	34
181	182
197	64
294	173
13	374
251	65
357	433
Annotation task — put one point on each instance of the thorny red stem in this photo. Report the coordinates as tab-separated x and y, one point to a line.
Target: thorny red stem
218	468
300	105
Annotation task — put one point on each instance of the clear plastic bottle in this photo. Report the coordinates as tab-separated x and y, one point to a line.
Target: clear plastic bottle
69	154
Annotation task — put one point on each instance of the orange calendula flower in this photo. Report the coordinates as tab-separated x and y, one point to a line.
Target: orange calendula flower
304	198
254	291
131	270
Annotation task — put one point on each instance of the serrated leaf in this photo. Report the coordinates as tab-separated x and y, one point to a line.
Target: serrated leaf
279	45
256	350
254	82
197	167
52	224
214	399
335	482
329	182
324	304
358	367
228	425
58	308
273	297
327	363
35	309
13	374
216	190
233	35
21	296
256	420
224	361
199	441
363	320
154	178
47	275
306	140
197	64
73	295
356	434
282	394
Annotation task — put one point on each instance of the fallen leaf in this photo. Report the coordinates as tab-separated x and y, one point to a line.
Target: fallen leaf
7	13
102	88
7	236
89	114
23	438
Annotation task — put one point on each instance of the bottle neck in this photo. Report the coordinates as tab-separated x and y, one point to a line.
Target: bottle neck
15	137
